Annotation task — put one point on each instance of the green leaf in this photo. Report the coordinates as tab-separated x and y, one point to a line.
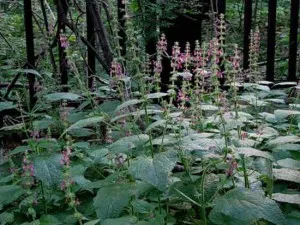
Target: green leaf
43	124
248	151
156	95
289	163
154	171
120	221
124	144
19	149
48	169
49	220
284	140
7	105
6	218
109	107
141	206
287	198
10	193
31	71
92	222
282	114
243	206
128	103
159	123
84	123
111	200
58	96
287	175
293	218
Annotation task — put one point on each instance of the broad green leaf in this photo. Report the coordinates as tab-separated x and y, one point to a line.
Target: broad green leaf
48	169
81	132
49	220
92	222
284	140
137	114
248	151
14	127
159	123
289	163
284	84
141	206
154	171
288	147
287	198
293	218
287	175
31	71
120	221
10	193
19	149
124	144
111	200
109	107
7	105
6	218
156	95
243	206
58	96
128	103
6	179
43	124
77	174
281	114
202	144
84	123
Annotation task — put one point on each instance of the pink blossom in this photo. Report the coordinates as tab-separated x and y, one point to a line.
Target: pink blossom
63	41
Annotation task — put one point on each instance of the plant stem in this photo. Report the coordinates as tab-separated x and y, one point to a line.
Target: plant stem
44	199
246	178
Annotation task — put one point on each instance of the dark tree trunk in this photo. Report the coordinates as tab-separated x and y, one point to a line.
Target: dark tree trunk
271	40
247	30
91	40
101	33
29	49
221	6
293	40
47	29
62	11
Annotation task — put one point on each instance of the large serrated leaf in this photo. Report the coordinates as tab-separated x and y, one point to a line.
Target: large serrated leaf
48	169
156	95
6	218
284	140
137	114
287	198
84	123
128	103
124	144
120	221
159	123
282	114
248	151
111	200
10	193
287	175
7	105
49	220
154	171
289	163
243	206
58	96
